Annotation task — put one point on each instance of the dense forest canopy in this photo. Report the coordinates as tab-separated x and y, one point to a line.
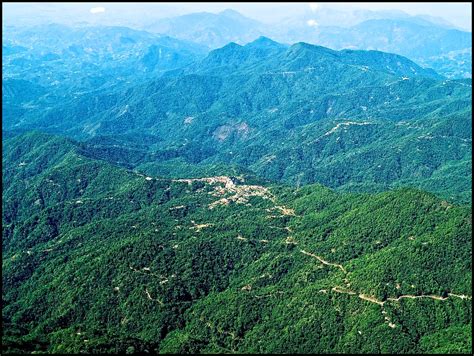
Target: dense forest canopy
98	258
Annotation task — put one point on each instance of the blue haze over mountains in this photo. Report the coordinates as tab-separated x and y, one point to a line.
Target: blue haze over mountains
429	41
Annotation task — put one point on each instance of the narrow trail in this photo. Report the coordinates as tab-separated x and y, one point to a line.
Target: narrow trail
462	296
324	261
241	195
146	271
221	331
149	297
340	290
431	296
372	299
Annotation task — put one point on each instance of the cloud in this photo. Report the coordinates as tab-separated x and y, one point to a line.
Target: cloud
312	23
97	10
314	6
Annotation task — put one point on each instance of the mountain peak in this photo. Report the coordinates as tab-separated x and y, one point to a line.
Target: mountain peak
230	13
298	45
231	45
264	39
223	54
264	42
303	47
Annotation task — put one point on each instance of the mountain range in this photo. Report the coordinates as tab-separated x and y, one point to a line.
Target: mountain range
424	39
293	114
97	56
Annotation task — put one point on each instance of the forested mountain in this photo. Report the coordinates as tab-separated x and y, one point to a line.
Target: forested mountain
98	258
426	40
353	120
422	42
97	56
47	66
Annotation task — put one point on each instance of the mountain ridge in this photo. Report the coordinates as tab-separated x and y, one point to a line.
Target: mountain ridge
273	110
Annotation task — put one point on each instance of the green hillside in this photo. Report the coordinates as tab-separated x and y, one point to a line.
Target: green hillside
98	258
361	121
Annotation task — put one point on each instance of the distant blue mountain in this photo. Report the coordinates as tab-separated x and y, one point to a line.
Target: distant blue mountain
212	30
423	39
97	55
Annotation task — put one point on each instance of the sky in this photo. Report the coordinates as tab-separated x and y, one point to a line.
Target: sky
459	14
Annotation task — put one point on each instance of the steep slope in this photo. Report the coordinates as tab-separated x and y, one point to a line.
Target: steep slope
100	259
355	120
423	42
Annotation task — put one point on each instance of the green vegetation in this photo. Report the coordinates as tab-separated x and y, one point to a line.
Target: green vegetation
359	121
98	258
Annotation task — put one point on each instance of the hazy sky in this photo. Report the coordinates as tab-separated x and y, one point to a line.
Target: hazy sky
458	14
